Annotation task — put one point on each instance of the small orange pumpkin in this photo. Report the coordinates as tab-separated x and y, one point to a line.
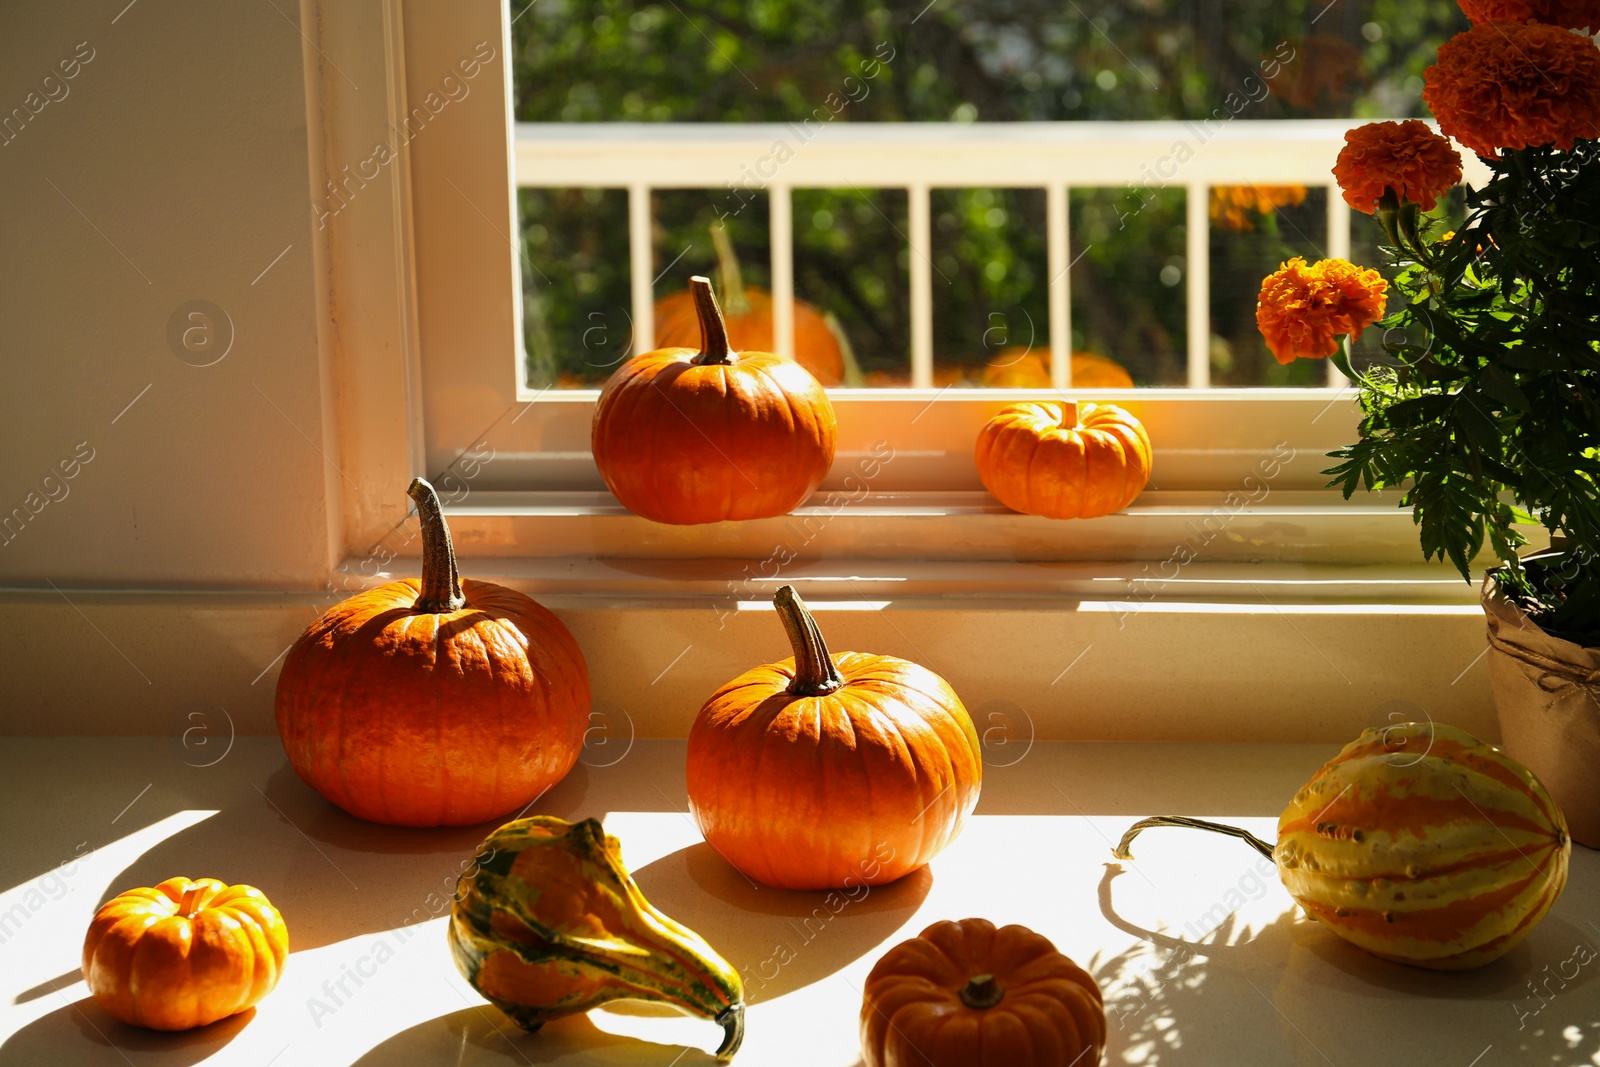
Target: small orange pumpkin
434	703
184	954
748	314
1022	368
962	994
1064	460
824	772
684	436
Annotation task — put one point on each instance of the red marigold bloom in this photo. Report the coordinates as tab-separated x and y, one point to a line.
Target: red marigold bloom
1570	14
1515	85
1303	311
1407	157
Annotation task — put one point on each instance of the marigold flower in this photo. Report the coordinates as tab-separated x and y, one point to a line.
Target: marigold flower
1515	85
1569	14
1232	206
1303	311
1407	157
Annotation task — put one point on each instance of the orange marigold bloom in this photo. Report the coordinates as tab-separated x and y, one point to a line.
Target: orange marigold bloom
1570	14
1407	157
1515	85
1232	206
1303	311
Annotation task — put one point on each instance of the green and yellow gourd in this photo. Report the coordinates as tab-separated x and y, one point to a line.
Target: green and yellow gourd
547	922
1418	843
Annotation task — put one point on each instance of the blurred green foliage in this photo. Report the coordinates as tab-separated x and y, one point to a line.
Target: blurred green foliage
961	61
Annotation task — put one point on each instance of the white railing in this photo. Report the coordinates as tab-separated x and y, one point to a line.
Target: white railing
1054	156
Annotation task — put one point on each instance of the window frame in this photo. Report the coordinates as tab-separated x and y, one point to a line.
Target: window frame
425	301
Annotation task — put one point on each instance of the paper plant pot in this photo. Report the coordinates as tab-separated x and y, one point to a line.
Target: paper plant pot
1547	698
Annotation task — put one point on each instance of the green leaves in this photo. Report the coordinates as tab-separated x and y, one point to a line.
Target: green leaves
1495	422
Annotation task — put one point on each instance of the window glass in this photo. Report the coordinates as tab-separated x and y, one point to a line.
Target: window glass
1204	62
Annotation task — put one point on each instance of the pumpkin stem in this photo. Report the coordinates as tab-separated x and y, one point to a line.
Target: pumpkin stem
1069	414
728	274
982	992
1121	851
713	328
441	582
814	671
194	898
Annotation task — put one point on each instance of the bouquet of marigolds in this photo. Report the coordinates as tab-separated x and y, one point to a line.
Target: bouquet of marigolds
1489	416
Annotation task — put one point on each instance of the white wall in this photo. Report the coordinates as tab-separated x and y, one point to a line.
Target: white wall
182	142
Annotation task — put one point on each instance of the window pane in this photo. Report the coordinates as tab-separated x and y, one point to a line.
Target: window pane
1366	234
576	323
852	266
965	60
826	62
990	316
1254	228
1128	276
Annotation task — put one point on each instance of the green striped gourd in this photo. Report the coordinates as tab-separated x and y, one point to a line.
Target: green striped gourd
1418	843
547	922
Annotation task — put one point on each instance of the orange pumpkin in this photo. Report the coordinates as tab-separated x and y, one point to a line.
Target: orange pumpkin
827	771
1064	460
684	436
1022	368
184	954
433	703
964	994
747	312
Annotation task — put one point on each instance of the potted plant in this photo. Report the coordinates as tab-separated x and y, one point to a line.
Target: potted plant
1489	418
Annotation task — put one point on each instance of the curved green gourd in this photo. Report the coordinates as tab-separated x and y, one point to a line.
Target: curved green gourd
547	922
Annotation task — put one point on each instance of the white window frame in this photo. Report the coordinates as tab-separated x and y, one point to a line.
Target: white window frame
424	304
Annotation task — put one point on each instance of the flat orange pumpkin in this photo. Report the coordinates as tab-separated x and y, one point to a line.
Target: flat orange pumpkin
438	702
964	994
689	436
184	954
1064	460
826	771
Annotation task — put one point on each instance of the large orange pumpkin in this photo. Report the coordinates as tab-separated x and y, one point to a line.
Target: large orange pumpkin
828	771
748	314
1022	368
964	994
434	703
1418	843
1064	460
685	436
184	954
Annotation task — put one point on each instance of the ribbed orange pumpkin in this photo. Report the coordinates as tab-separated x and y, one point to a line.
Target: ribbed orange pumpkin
1022	368
747	312
184	954
684	436
1064	460
1420	844
434	703
963	994
824	772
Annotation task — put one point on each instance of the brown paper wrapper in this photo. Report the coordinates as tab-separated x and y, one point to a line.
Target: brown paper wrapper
1547	698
